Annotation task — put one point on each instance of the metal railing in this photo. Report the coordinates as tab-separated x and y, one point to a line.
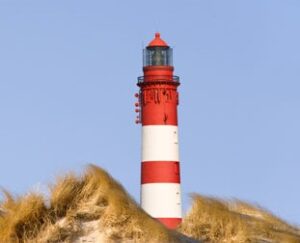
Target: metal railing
175	79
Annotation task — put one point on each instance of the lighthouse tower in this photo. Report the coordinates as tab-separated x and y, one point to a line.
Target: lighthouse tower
158	101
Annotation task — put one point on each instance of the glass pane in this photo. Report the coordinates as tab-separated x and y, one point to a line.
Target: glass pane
157	56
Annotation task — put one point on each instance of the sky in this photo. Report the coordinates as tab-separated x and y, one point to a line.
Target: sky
68	73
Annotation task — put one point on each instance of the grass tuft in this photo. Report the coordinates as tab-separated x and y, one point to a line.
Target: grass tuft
22	218
215	220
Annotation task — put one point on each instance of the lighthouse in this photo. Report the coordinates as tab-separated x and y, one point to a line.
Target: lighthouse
157	113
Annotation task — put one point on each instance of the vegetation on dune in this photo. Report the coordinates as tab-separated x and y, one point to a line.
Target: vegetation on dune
216	220
95	205
21	217
94	197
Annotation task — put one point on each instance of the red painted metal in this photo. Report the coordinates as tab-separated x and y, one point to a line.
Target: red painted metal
157	41
159	96
160	171
154	73
171	223
159	105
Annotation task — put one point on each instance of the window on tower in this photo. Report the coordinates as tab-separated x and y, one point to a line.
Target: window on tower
158	56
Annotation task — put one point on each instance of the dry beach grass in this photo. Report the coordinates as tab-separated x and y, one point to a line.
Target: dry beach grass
95	208
75	204
216	220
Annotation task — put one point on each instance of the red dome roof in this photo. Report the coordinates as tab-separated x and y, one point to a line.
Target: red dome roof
157	41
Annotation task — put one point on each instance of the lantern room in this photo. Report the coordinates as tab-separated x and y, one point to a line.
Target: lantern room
157	53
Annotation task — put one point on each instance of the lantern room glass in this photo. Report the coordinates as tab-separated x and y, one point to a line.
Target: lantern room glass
158	56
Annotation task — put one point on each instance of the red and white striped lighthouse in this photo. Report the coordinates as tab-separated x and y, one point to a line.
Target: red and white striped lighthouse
158	101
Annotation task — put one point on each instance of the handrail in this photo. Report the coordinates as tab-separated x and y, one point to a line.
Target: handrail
175	79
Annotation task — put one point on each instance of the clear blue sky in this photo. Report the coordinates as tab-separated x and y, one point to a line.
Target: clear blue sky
68	75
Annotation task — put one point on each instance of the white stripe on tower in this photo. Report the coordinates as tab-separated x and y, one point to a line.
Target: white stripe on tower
160	143
160	192
162	200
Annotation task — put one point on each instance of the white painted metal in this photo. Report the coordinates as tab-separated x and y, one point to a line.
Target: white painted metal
161	200
160	143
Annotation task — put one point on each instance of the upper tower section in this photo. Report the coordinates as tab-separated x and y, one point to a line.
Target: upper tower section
158	96
158	53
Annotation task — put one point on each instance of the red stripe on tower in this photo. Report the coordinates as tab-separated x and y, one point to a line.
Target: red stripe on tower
158	101
160	171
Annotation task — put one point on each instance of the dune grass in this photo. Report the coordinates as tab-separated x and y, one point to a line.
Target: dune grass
22	217
95	196
215	220
96	199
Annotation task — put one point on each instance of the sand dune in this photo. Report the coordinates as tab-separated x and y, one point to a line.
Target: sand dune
95	208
